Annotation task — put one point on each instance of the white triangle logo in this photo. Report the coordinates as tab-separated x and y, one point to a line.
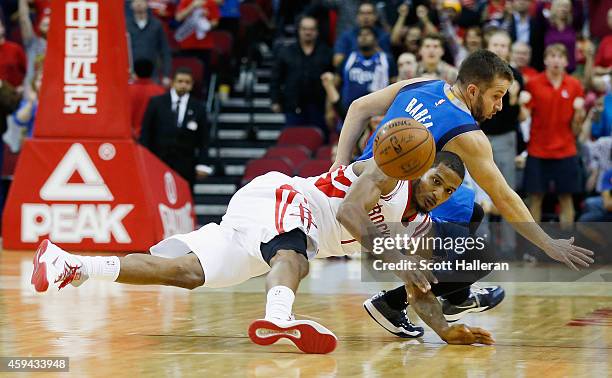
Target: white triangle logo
93	188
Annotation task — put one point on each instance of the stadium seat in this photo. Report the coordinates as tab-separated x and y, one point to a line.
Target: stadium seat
296	154
324	153
314	168
309	137
196	67
258	167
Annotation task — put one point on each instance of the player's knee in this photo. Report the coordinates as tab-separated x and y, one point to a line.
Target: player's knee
297	261
188	273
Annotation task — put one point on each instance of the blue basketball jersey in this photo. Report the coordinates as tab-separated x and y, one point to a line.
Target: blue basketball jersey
433	104
361	75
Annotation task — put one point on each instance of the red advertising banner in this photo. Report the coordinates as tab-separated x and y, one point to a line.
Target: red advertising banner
84	92
96	195
82	182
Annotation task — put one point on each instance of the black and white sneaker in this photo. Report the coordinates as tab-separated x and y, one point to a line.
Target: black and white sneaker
394	321
480	299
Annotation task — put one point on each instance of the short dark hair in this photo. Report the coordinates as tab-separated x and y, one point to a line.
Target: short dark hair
435	36
481	68
451	160
182	71
143	68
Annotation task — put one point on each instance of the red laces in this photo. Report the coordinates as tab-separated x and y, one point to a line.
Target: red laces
70	274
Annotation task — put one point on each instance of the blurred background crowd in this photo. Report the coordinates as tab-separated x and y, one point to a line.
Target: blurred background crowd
199	65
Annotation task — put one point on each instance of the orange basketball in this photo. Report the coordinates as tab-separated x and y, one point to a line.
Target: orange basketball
404	149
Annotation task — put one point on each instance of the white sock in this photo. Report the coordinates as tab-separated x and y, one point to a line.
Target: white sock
104	268
280	302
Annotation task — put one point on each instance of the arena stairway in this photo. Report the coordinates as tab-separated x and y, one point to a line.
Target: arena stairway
245	130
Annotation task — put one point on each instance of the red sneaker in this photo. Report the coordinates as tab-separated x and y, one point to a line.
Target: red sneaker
307	335
54	266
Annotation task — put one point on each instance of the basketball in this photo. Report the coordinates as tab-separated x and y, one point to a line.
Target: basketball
404	149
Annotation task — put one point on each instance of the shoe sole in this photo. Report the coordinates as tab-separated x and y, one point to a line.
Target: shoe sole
39	275
384	322
455	317
308	336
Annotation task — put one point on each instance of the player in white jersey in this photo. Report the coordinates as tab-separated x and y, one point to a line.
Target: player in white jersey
274	225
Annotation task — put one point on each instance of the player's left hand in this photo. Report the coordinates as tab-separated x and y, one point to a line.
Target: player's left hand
464	335
565	251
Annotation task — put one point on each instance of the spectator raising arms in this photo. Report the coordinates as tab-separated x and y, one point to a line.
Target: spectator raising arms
557	111
197	18
35	43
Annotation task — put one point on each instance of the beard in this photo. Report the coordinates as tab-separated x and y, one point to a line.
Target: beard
478	111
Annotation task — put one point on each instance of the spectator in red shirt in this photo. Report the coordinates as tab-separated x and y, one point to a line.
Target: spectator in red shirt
140	91
12	60
557	112
603	58
197	18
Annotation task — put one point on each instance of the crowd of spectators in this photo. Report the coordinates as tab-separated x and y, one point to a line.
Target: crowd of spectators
556	121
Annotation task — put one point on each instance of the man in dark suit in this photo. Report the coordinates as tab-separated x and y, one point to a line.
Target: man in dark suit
174	128
524	28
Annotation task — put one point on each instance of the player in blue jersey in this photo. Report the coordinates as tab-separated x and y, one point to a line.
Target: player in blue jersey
451	114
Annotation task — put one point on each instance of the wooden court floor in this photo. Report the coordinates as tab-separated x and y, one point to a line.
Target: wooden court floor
541	329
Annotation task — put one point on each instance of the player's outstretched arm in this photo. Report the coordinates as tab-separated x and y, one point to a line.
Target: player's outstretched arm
363	194
359	114
427	306
475	150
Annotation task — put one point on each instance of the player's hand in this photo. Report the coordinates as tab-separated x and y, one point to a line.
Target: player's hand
417	277
464	335
565	251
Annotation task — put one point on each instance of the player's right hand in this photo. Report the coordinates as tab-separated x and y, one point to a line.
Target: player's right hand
565	251
464	335
420	278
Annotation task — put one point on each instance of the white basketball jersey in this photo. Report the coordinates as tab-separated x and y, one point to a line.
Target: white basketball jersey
325	193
